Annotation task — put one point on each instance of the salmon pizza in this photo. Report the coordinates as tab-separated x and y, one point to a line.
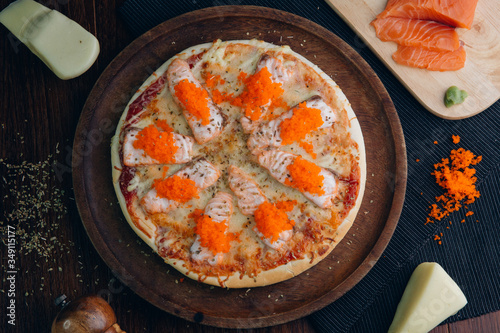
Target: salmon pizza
240	163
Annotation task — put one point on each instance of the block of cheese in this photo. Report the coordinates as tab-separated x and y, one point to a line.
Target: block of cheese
61	43
430	297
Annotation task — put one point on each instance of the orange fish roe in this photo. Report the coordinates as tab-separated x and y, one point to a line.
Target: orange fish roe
286	205
165	170
304	121
455	138
438	238
435	142
242	76
305	176
271	221
176	188
458	180
469	213
436	213
213	80
260	91
163	125
196	214
213	235
159	145
220	97
308	147
194	99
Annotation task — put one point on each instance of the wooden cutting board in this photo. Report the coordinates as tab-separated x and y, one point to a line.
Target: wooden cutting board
480	77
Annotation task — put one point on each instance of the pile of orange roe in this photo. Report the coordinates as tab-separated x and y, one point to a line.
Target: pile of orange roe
176	188
304	121
271	220
305	176
260	91
160	145
260	94
456	176
213	235
194	99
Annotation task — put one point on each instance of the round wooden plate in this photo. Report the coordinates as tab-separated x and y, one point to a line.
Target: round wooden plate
146	274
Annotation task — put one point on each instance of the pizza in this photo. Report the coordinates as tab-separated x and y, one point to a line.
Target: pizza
240	163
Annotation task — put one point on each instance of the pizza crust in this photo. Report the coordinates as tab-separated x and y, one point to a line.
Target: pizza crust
147	230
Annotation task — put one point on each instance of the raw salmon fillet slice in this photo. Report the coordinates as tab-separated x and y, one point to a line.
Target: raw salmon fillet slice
455	13
431	60
430	35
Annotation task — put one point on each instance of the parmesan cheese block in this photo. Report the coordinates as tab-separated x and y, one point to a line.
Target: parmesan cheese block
62	44
430	297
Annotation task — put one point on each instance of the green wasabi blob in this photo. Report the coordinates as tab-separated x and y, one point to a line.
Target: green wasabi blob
454	96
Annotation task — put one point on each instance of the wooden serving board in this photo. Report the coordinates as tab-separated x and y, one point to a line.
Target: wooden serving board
480	77
146	273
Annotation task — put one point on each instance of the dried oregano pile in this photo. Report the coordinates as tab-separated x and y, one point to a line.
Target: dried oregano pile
33	203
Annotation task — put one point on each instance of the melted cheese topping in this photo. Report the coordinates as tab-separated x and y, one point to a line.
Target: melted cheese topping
223	69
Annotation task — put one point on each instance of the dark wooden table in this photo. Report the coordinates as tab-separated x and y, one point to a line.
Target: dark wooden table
53	254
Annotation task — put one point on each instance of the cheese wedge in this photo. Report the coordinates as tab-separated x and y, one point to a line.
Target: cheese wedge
61	43
430	297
